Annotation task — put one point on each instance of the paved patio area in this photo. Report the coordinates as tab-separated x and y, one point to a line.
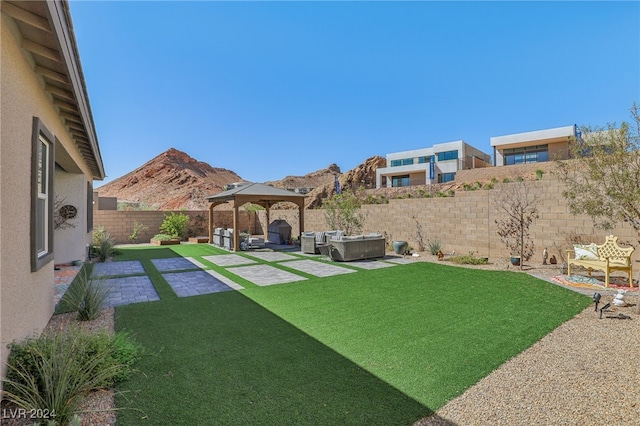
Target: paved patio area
127	290
190	277
195	283
265	274
128	267
318	269
228	260
173	264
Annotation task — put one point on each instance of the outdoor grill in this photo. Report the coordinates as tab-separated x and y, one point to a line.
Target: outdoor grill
279	231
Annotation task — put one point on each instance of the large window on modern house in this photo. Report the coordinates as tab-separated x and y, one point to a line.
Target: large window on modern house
400	181
402	162
529	154
447	155
425	159
446	177
41	196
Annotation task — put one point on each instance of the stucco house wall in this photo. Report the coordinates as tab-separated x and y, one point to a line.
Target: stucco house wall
26	293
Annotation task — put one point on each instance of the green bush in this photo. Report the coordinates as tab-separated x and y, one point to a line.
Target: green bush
85	295
137	228
434	246
539	173
469	259
55	372
102	244
175	224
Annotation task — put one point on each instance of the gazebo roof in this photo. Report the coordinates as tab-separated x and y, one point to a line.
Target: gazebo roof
256	191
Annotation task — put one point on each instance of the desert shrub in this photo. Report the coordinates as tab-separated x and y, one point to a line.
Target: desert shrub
99	234
85	295
137	228
343	212
469	187
55	372
489	185
468	259
175	224
434	246
506	180
539	173
103	245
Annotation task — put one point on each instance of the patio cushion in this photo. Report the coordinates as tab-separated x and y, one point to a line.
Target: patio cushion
586	251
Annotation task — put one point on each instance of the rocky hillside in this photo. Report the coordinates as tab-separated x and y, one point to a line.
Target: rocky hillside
310	180
173	180
362	176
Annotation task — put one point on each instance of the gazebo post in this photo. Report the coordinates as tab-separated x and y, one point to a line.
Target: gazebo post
267	206
211	205
301	217
236	233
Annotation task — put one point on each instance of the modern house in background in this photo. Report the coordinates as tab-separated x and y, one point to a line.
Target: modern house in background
49	160
534	147
424	166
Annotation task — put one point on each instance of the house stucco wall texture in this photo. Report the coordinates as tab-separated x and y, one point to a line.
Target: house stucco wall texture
26	298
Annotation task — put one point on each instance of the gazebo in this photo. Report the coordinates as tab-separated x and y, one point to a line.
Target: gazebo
256	193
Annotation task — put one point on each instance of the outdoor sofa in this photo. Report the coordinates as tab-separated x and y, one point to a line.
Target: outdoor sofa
310	242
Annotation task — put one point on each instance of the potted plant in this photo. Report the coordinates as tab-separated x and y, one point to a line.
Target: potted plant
400	247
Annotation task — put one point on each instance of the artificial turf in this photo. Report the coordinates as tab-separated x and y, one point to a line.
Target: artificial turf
385	346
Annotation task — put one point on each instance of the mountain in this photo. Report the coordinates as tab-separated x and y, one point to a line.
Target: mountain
171	181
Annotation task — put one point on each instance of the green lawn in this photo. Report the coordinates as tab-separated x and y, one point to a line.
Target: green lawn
384	347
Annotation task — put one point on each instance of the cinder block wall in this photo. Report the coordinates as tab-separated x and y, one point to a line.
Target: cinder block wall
120	223
464	223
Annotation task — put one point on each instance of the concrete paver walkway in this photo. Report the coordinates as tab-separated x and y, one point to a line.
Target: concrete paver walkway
190	277
194	283
265	274
318	269
128	267
228	260
126	290
271	256
370	264
172	264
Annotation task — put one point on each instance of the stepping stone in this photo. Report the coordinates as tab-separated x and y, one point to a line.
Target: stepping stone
265	274
126	290
172	264
272	256
318	269
370	264
228	260
225	280
127	267
195	283
398	260
195	262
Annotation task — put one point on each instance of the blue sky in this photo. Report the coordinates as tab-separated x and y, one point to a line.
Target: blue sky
270	89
